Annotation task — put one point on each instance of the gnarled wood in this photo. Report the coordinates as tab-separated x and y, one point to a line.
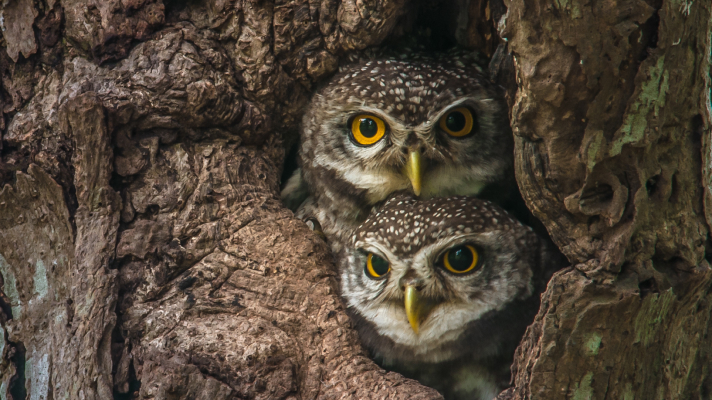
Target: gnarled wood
611	124
144	252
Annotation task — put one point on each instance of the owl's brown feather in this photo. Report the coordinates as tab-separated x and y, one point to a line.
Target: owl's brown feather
343	181
466	342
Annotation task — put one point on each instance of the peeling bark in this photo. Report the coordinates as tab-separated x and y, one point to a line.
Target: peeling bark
17	19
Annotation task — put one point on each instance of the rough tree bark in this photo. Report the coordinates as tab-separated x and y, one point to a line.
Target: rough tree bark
144	252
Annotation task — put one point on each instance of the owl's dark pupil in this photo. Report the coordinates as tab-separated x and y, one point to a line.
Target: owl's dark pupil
368	127
380	265
455	121
460	258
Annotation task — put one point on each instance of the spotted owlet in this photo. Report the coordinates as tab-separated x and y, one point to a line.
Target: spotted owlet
434	127
442	290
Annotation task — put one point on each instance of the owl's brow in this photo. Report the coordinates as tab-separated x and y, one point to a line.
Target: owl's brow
455	104
364	109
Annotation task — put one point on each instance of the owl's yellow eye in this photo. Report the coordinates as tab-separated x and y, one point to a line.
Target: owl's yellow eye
367	129
376	266
458	122
461	259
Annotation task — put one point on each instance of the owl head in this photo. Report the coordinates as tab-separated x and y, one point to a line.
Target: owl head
432	127
428	281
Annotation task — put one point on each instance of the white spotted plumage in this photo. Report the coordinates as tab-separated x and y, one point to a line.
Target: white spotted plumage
339	182
476	319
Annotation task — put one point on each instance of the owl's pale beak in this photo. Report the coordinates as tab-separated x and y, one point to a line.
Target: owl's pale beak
416	307
412	307
414	170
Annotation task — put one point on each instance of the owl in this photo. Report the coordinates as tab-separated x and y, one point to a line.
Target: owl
434	127
442	290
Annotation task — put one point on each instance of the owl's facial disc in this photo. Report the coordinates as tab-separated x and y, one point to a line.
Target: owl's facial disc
458	260
366	129
426	154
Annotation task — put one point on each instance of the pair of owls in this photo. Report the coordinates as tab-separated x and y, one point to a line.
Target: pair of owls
441	285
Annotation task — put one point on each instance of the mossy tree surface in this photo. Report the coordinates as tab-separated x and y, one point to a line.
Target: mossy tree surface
144	251
612	129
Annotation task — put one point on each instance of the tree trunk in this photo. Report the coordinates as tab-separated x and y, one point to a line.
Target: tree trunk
612	127
144	251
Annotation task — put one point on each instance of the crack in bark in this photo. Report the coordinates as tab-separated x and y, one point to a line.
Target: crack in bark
19	380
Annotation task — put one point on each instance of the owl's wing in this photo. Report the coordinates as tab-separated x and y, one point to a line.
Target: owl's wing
295	192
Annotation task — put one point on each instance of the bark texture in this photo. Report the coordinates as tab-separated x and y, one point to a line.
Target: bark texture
612	129
144	252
